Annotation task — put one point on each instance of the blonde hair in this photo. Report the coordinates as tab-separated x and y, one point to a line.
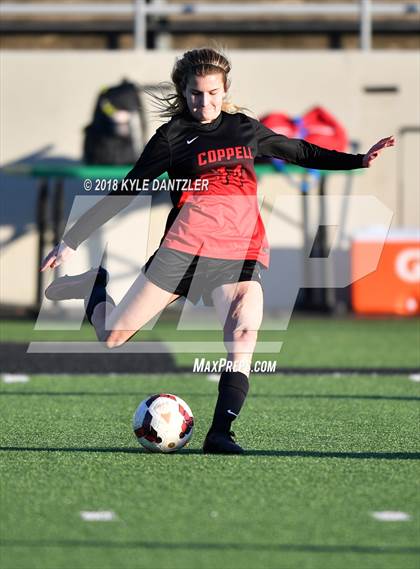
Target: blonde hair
201	62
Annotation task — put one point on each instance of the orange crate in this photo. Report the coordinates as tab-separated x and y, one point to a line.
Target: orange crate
394	287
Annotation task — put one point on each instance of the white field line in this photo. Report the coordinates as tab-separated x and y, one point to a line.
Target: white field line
213	377
389	516
14	378
100	516
414	377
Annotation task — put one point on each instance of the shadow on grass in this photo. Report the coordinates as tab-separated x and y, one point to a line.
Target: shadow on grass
198	394
274	547
273	453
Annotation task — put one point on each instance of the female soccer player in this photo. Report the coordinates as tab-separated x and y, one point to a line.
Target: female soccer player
215	235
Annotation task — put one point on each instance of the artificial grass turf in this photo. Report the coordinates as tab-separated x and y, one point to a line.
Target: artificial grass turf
322	454
308	342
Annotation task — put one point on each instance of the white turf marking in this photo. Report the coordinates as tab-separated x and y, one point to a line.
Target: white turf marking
213	376
391	516
14	378
414	377
105	516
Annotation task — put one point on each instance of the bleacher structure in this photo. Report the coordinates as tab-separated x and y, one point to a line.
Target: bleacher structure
157	24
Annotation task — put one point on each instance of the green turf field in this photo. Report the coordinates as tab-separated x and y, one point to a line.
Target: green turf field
308	342
323	453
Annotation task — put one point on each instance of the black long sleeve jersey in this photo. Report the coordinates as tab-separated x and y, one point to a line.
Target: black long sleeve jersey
216	214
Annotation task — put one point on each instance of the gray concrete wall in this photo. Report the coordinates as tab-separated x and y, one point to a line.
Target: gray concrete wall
47	98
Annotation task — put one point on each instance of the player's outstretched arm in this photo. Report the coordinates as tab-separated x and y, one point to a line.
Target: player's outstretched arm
303	153
376	149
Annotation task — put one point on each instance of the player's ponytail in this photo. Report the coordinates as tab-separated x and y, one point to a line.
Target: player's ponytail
201	62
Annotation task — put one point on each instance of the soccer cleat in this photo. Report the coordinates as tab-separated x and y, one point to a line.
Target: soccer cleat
221	443
77	286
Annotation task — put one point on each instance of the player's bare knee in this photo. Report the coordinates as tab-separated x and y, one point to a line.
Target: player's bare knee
116	338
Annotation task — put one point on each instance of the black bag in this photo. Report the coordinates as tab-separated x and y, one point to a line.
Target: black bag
116	134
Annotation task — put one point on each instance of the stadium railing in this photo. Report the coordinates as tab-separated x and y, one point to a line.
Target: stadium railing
140	10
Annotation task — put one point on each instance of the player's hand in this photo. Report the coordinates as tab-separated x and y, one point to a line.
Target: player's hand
58	255
376	149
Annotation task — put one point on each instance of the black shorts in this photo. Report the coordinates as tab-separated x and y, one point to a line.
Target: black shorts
196	277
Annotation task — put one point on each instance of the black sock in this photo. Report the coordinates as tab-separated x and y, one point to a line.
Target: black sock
97	296
233	389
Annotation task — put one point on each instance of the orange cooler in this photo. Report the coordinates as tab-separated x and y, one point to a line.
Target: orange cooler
394	288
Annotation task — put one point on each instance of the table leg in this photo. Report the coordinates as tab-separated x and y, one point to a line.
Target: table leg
42	226
58	215
326	293
306	292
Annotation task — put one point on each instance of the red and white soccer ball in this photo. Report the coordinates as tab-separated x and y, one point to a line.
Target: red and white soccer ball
163	423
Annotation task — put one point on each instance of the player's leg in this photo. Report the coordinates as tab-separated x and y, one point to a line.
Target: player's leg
143	301
113	324
168	276
239	307
165	276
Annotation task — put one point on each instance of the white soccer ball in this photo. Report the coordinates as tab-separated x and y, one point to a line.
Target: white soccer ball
163	423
